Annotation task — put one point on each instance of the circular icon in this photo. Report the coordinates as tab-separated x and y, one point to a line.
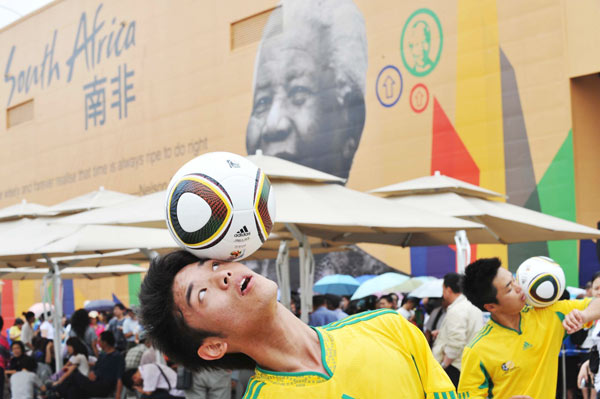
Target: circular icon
388	86
421	42
419	98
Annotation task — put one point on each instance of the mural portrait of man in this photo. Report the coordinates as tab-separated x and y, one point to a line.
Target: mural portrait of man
309	85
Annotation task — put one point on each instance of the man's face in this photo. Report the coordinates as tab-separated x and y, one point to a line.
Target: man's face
383	304
117	311
296	114
137	378
225	298
596	288
510	295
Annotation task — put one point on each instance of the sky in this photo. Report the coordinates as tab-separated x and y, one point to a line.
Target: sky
11	10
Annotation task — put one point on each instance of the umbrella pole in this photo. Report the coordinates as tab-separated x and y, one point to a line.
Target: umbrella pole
307	270
463	251
58	361
282	267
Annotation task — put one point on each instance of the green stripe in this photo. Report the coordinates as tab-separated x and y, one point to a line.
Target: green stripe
452	395
486	330
249	389
356	316
419	374
344	396
436	395
487	383
369	316
262	384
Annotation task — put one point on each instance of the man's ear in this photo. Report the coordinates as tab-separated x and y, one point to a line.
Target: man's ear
490	307
212	348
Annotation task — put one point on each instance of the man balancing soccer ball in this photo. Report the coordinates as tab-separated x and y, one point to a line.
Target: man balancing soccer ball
206	313
515	355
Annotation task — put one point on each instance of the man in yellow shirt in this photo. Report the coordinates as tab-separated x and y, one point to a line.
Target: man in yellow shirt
213	314
515	355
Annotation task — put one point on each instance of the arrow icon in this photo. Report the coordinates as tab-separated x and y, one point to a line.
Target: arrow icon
388	84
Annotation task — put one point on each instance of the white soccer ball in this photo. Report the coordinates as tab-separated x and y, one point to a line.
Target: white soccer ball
542	280
220	206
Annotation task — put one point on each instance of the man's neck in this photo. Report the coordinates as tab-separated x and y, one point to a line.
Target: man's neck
286	344
512	321
453	298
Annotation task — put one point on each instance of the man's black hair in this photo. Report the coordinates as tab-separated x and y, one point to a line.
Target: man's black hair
454	281
108	337
477	284
127	378
594	277
318	301
333	301
120	306
29	363
164	323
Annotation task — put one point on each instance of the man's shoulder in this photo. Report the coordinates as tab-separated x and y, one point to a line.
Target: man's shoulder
380	317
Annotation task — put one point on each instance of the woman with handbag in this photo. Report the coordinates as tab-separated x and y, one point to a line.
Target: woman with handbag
153	381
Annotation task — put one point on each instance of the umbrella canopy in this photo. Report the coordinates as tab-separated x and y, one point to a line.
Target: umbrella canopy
280	169
99	305
38	308
23	209
91	200
337	284
365	277
410	284
505	223
437	183
90	273
379	284
431	289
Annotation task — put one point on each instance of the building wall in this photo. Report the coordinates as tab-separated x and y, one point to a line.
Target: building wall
492	106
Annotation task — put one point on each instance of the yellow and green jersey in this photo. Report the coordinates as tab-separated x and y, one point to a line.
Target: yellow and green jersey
374	354
501	362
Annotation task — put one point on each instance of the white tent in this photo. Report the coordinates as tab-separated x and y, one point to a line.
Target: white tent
90	273
92	200
23	209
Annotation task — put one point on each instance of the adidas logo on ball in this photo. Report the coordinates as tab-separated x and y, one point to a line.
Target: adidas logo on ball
243	232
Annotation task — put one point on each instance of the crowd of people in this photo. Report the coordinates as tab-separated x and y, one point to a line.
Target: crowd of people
105	354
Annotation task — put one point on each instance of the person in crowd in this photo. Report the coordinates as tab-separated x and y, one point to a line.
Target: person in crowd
149	379
462	322
333	304
4	357
345	303
23	383
515	354
18	356
407	309
213	314
14	333
385	302
131	328
102	378
214	384
78	361
586	377
395	298
116	326
437	312
321	315
81	328
95	322
27	332
46	328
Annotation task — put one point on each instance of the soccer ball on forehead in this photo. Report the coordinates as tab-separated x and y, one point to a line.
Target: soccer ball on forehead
220	206
542	280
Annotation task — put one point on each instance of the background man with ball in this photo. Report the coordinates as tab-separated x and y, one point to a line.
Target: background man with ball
515	354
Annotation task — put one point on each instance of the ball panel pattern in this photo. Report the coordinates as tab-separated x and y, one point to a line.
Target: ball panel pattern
218	201
539	280
262	190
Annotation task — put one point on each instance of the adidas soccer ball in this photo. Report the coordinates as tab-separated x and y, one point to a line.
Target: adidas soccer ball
220	206
542	279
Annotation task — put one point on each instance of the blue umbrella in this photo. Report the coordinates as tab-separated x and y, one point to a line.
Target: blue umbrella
379	284
337	284
365	277
99	305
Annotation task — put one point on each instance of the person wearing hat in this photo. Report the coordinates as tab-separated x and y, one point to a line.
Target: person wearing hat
95	322
14	333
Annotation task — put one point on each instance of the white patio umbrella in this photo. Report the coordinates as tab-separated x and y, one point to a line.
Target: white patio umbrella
92	200
309	204
431	289
504	223
23	209
90	273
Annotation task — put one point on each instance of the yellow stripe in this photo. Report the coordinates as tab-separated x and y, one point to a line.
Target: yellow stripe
479	99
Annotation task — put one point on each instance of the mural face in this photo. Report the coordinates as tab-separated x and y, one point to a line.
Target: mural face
308	104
